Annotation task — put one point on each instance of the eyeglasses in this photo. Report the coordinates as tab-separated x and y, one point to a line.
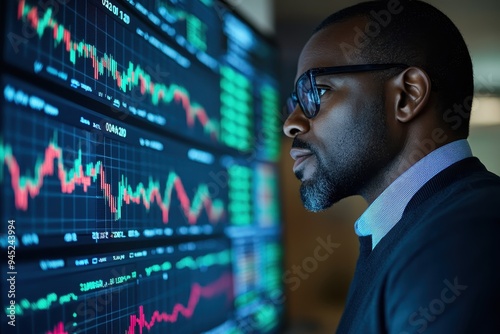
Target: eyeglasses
306	92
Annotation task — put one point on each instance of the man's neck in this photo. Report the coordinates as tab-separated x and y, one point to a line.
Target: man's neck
409	156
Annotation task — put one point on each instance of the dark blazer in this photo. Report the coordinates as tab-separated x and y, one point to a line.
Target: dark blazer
438	268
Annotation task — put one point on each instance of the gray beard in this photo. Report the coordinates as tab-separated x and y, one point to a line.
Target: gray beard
320	192
317	195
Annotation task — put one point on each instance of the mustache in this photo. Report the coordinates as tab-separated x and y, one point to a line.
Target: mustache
298	143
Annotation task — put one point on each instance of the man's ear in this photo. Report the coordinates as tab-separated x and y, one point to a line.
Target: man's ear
409	93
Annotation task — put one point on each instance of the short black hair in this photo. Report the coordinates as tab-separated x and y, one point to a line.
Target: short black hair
418	34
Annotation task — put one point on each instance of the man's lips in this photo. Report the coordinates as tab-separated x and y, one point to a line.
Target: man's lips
299	155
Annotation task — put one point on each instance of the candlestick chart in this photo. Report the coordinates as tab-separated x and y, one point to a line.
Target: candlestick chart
138	169
73	179
119	293
122	64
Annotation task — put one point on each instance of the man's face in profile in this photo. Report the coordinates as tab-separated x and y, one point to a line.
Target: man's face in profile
341	150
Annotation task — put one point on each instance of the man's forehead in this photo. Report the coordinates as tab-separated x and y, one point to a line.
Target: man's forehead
324	48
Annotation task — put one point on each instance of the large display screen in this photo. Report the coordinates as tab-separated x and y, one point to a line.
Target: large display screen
139	188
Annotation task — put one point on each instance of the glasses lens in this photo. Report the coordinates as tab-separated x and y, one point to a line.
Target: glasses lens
306	97
291	104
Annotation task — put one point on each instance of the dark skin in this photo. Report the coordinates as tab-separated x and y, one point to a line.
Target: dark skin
361	147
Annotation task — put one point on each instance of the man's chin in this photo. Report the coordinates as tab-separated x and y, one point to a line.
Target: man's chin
316	196
299	174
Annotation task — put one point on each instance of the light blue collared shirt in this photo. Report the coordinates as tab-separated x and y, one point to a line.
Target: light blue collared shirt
388	207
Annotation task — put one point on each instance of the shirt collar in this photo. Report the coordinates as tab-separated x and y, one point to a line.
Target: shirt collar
388	207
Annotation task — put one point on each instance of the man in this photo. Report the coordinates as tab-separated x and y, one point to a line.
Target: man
381	109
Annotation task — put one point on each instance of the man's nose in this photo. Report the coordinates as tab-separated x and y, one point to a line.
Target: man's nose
296	123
